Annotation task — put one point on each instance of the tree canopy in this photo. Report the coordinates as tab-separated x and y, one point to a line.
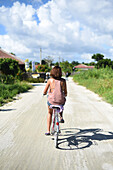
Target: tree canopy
105	63
9	66
98	57
49	60
66	67
74	63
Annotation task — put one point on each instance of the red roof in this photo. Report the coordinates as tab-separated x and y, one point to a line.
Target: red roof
83	66
4	54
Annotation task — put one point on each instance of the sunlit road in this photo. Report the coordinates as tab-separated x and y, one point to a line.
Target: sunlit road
85	143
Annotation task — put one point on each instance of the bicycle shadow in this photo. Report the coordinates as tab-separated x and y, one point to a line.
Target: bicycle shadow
75	138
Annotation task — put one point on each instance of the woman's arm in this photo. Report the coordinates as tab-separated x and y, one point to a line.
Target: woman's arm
65	88
46	88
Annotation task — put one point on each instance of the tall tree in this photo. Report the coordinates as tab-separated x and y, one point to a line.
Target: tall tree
104	63
49	60
66	67
74	63
98	57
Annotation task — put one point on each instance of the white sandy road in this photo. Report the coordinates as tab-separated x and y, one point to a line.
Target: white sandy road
86	141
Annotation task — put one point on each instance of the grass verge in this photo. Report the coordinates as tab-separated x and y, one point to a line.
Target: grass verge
98	80
8	91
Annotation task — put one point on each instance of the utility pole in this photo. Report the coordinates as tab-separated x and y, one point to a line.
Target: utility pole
59	60
40	56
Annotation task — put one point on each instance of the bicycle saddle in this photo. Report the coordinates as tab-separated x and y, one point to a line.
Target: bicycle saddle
60	108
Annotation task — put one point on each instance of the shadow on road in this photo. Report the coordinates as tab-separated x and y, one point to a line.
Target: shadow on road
74	138
38	84
4	110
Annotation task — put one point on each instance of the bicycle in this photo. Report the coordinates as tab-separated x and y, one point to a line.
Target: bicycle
55	128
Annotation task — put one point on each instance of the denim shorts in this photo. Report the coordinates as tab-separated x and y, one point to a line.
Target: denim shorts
51	104
48	103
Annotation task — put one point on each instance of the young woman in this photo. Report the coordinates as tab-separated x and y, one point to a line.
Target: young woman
56	94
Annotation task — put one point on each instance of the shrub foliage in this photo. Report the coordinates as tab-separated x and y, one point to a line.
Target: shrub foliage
98	80
7	92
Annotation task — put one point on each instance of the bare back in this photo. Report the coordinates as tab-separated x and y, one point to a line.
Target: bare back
51	85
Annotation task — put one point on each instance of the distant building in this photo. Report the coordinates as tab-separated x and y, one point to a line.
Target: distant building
84	67
4	54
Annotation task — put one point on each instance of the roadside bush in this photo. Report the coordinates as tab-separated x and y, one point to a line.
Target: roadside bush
96	73
9	66
9	79
98	80
8	91
43	68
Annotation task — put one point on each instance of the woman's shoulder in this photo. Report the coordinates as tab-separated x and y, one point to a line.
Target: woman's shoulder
61	79
51	80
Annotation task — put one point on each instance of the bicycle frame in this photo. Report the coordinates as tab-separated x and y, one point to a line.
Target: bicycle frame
55	126
55	122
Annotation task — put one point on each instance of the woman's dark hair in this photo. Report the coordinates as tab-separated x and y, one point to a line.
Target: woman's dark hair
56	72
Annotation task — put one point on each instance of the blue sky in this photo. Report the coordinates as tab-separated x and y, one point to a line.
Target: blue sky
34	3
71	29
2	30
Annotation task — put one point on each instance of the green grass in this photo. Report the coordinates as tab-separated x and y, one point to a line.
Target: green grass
8	91
98	80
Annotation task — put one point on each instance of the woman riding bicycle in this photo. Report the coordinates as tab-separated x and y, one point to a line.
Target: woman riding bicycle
56	94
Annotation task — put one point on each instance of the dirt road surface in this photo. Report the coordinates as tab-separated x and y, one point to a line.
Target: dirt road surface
85	143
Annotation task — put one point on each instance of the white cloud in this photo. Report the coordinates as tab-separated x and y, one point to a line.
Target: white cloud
64	27
11	46
87	56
